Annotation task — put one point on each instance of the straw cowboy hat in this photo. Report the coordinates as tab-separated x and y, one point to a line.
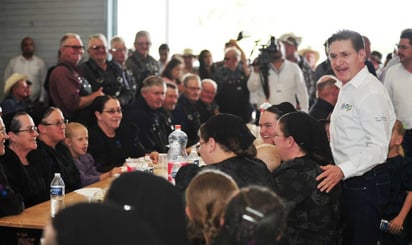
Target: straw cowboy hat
309	50
291	38
13	79
188	52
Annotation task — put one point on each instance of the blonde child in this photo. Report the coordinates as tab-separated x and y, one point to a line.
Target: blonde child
77	140
400	170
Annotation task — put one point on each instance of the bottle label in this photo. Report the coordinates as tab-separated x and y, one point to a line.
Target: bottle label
56	190
172	169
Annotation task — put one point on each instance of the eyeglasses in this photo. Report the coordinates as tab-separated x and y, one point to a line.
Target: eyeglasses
113	111
144	43
97	47
57	124
194	88
118	50
74	47
31	130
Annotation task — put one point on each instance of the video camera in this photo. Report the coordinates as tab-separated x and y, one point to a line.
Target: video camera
268	53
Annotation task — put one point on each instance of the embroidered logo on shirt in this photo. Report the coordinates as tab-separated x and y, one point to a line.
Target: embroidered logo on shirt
346	107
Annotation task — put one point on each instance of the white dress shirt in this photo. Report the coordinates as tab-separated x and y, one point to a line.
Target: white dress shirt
398	82
361	125
35	68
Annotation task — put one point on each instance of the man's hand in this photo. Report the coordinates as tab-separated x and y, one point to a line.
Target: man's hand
330	177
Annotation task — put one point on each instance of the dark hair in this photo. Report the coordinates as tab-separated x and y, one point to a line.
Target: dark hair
47	113
231	133
15	124
308	134
204	71
354	37
281	109
164	46
407	33
256	215
100	101
167	72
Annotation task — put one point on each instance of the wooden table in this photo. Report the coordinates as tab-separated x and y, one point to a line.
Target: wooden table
36	217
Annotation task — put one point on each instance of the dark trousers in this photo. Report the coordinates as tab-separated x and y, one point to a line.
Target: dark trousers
407	143
364	198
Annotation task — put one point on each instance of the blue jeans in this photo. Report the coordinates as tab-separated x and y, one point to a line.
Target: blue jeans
364	199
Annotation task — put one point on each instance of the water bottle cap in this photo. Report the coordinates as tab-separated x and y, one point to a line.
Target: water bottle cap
178	126
56	174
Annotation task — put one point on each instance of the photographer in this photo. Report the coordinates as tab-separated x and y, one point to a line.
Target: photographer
101	73
279	79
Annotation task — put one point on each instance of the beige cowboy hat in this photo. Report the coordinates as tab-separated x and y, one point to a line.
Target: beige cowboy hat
188	52
291	38
13	79
309	50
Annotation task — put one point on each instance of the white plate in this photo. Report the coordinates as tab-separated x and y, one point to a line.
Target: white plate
88	192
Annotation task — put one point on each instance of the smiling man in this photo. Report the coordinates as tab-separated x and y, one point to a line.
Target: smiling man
361	126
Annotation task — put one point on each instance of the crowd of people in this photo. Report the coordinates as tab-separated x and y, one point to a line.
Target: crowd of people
330	161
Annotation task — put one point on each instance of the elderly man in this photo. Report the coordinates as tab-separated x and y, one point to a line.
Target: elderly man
186	113
102	73
34	67
206	105
327	95
16	91
68	90
140	62
292	43
233	95
144	112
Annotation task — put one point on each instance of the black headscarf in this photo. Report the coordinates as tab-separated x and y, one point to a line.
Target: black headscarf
308	134
156	200
102	224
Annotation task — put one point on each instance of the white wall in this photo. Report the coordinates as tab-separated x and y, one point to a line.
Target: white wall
46	21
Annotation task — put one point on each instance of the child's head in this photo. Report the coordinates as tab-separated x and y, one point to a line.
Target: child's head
398	132
77	139
206	198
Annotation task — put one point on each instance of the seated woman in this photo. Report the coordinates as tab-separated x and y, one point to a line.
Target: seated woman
24	176
77	140
226	144
52	153
160	204
313	216
111	142
173	72
206	198
255	215
10	201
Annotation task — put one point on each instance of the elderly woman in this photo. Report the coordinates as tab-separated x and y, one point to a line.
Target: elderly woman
226	144
25	177
111	142
313	215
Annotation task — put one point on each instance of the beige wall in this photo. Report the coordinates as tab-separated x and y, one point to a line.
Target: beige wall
46	21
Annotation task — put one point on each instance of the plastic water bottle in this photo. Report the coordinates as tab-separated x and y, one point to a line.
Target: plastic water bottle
57	191
193	156
176	156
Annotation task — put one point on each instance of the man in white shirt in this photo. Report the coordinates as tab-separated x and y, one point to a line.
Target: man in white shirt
33	66
398	82
361	126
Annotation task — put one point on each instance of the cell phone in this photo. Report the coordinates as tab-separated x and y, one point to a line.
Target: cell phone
384	225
